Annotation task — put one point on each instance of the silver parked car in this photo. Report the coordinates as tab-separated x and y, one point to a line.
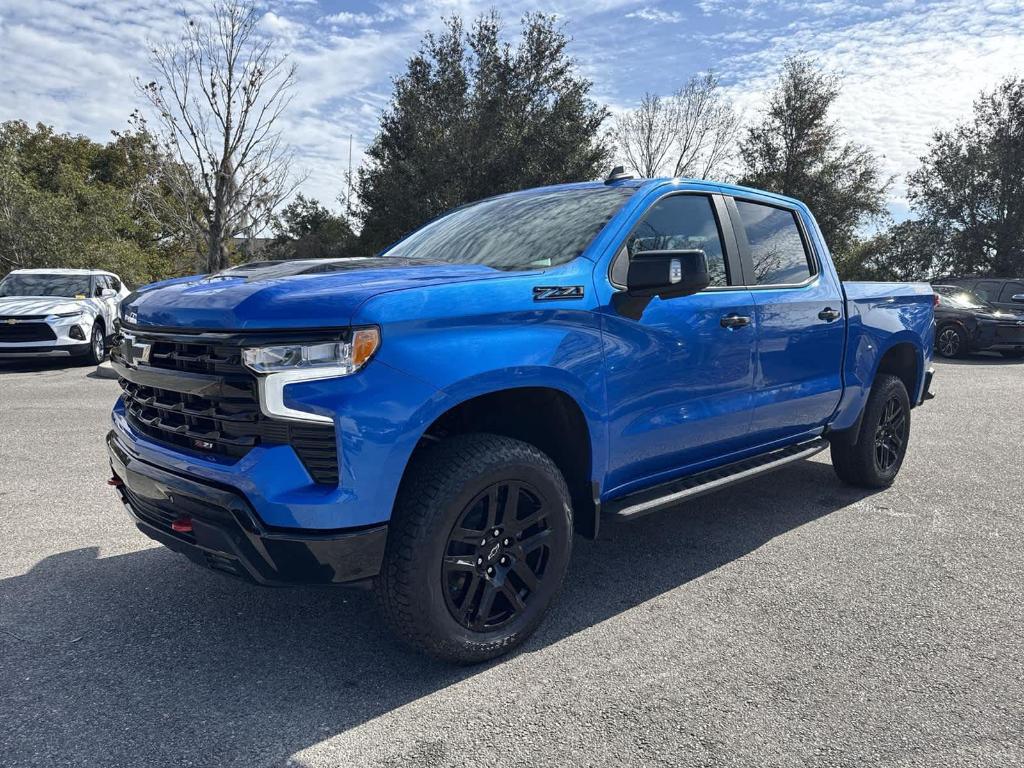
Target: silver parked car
59	312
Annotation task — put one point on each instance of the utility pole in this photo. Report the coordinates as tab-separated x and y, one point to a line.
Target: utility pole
348	195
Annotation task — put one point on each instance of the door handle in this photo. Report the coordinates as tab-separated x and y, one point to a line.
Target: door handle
828	314
733	320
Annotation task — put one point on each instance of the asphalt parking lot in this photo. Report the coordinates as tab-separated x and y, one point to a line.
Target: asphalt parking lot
788	622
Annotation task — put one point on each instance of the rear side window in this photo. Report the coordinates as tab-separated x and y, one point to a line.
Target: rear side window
679	222
114	283
1010	290
776	246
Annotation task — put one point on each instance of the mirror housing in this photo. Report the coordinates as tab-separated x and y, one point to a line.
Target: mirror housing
1017	298
107	292
667	274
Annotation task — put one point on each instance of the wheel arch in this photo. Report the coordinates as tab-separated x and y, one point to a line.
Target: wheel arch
545	416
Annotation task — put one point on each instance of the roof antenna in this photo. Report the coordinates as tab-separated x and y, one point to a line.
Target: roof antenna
618	174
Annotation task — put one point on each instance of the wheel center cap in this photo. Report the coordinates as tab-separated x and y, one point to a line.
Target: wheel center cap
493	553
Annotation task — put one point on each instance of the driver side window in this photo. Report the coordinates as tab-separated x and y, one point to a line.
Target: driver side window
678	222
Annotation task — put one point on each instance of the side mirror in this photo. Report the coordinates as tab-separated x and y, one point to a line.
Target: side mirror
667	274
106	293
1017	298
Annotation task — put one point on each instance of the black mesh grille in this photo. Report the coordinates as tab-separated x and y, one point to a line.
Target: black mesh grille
22	331
229	423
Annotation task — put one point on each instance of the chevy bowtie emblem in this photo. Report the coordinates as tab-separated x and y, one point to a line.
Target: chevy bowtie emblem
11	321
135	352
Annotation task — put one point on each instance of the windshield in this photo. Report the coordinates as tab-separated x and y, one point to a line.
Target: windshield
517	231
69	286
962	299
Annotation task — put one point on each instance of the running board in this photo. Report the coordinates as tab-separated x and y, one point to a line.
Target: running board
676	491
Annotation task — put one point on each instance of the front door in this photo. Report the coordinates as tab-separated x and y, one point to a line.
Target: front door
680	373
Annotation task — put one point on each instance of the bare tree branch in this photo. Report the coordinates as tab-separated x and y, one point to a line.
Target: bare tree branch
693	132
218	94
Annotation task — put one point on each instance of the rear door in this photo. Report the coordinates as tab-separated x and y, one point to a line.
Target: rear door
1011	288
799	318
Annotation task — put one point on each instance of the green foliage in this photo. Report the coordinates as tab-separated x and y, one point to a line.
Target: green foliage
307	230
66	201
796	151
904	251
970	186
473	117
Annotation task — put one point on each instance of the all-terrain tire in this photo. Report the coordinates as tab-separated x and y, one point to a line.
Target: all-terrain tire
449	489
872	457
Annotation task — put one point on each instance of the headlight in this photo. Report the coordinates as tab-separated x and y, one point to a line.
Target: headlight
76	313
337	358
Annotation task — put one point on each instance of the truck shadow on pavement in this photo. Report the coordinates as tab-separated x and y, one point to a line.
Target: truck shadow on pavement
145	659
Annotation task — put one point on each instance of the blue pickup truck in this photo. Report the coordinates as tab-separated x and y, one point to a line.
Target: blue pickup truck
438	421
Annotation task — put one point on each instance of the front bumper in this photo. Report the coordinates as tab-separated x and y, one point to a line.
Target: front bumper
37	349
227	536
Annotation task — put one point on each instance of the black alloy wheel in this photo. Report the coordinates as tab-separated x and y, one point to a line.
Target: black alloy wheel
891	434
951	342
497	556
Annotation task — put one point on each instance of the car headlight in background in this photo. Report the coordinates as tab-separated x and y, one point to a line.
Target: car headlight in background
76	313
331	358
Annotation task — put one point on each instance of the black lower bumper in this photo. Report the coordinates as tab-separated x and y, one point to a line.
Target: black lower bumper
217	528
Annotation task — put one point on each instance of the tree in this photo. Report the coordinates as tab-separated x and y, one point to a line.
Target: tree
910	250
971	186
67	201
645	135
691	133
218	94
473	117
307	230
797	151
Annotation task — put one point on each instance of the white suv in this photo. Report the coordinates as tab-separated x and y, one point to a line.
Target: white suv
58	312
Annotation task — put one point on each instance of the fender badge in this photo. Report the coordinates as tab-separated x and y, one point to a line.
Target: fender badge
552	292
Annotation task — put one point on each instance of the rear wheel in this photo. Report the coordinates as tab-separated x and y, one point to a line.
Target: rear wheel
873	458
951	341
477	547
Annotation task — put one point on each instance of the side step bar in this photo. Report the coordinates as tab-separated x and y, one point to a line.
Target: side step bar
676	491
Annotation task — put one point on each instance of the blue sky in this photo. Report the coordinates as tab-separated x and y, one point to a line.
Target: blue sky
909	65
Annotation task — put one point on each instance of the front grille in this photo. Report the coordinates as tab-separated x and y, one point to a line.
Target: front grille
229	423
22	331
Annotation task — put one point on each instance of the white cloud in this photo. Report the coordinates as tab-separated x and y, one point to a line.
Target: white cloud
657	15
910	66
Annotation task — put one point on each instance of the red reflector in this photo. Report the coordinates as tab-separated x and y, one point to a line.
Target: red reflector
182	525
115	481
935	299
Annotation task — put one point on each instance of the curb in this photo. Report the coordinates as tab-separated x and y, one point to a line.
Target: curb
105	371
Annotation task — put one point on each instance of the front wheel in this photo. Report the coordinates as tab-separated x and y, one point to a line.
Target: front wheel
951	342
477	549
872	458
97	346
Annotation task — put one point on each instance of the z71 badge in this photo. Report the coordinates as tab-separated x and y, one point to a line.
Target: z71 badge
551	292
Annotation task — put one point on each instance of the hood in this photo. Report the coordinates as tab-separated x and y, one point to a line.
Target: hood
20	306
286	294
